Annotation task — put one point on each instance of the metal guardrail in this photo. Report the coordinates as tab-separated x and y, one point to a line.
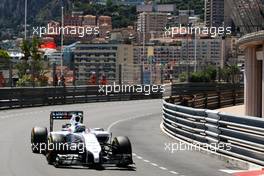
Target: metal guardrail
42	96
240	137
209	95
30	97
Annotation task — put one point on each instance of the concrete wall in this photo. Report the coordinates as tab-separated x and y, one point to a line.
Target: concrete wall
254	83
263	82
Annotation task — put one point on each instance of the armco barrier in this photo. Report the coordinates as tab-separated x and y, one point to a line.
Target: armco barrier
41	96
29	97
205	95
240	137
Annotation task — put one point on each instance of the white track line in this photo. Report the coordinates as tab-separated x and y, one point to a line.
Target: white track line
231	171
123	120
163	168
134	154
147	161
173	172
154	164
139	157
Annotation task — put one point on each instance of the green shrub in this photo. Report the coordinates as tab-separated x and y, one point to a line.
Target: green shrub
183	77
208	75
24	81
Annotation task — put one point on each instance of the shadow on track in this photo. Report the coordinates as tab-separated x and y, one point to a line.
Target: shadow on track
102	168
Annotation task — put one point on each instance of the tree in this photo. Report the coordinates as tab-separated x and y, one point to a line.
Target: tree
31	65
224	74
4	59
230	73
4	64
183	77
207	75
24	66
234	72
212	72
109	4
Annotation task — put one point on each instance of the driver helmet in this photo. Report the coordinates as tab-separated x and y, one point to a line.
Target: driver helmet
76	118
79	128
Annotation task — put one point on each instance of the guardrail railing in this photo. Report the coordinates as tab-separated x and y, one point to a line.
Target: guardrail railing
237	136
29	97
205	95
41	96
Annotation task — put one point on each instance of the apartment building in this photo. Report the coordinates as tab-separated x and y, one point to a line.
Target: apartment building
103	58
182	53
151	25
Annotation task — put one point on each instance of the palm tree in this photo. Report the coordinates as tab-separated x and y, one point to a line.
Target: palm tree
31	65
230	73
234	72
4	59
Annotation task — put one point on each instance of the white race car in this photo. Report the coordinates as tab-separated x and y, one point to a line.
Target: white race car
75	144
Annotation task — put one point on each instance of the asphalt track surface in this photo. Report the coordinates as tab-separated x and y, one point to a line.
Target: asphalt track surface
139	120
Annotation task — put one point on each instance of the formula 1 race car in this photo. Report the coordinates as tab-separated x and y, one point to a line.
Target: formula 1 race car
75	144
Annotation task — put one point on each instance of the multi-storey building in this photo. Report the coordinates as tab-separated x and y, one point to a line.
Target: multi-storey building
218	13
73	20
103	59
78	27
151	24
89	20
104	20
182	53
129	2
105	25
166	8
120	2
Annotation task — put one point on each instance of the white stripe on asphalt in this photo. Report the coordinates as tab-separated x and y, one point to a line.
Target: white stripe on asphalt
139	157
147	161
134	154
123	120
173	172
154	164
231	171
163	168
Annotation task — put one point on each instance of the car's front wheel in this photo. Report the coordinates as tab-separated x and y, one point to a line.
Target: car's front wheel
39	139
122	149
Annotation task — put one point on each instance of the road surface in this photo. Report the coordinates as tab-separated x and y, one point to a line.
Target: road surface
139	120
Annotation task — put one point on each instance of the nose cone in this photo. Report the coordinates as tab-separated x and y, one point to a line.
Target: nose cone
92	145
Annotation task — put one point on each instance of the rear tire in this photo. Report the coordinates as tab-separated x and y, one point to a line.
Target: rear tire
54	141
38	138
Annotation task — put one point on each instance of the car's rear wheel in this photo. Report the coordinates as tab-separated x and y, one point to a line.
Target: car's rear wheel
39	139
55	141
122	148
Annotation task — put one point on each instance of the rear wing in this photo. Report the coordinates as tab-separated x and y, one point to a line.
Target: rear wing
63	115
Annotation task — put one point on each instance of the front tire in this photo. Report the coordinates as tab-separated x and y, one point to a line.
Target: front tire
122	148
38	138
